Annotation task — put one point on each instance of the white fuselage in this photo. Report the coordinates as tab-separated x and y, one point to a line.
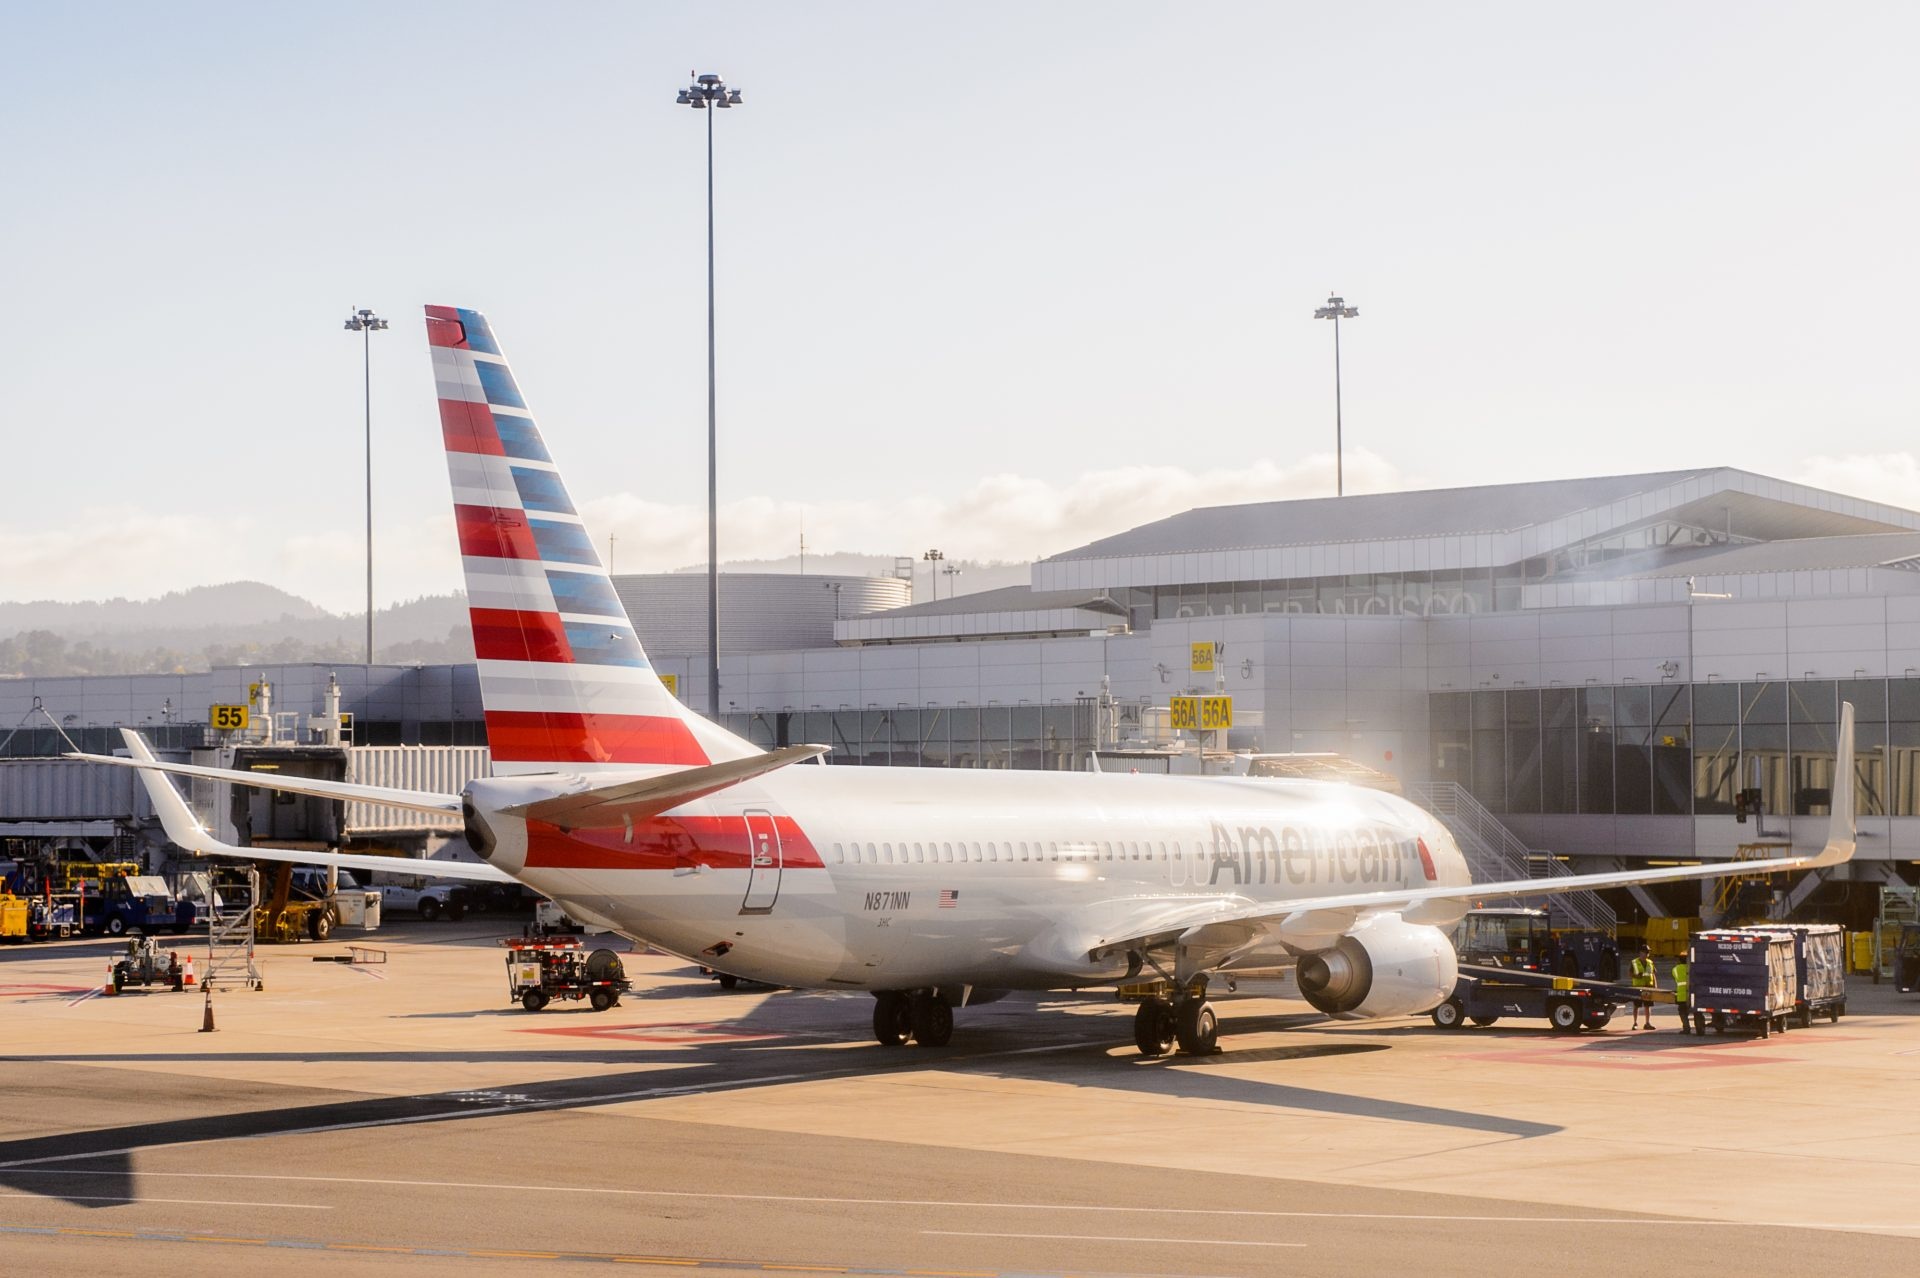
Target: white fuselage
824	877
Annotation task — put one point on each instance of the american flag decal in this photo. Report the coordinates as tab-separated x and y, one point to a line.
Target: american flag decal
949	898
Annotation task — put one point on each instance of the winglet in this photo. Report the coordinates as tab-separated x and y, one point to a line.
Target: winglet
1841	832
176	818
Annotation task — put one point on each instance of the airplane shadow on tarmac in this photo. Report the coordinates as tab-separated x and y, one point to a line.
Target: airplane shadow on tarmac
1026	1039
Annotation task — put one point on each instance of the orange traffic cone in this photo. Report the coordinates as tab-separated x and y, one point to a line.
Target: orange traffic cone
189	977
110	987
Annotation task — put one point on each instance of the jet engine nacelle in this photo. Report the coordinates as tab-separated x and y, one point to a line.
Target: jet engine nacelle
1384	967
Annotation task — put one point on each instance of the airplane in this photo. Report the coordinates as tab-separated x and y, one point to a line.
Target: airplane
931	889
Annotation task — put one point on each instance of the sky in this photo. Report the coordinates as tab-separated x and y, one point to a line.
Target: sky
998	278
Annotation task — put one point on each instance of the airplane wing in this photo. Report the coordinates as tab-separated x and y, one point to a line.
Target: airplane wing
640	800
1307	921
411	800
184	829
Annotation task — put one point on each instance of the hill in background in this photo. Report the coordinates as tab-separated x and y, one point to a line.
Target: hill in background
248	622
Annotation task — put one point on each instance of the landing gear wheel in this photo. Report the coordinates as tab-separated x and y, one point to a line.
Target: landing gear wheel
1564	1015
533	1000
1448	1015
1485	1020
601	1000
932	1020
728	980
892	1019
456	909
429	909
1196	1028
1153	1030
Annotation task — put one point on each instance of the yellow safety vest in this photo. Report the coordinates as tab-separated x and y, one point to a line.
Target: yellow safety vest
1643	973
1680	981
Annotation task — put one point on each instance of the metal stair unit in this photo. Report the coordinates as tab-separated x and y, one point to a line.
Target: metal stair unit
1493	852
231	899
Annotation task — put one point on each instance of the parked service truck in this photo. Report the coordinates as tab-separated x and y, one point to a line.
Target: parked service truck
142	903
1741	979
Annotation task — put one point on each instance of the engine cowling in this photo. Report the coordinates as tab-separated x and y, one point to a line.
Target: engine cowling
1385	967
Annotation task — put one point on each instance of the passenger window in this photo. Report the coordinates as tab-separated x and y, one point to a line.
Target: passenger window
946	851
839	854
976	852
989	851
1053	851
873	855
886	853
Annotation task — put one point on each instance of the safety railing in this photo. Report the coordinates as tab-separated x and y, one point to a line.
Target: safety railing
1495	853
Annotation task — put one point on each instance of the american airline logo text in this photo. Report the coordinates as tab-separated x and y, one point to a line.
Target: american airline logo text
1260	854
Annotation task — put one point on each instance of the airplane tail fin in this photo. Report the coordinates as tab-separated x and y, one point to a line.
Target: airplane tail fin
563	679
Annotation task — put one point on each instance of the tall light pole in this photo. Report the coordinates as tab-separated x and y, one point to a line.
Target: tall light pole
1336	310
933	558
366	323
710	91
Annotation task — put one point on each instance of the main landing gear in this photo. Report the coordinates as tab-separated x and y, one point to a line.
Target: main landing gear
922	1017
1190	1023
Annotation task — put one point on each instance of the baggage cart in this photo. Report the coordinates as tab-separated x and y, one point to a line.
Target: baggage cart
1820	968
1742	980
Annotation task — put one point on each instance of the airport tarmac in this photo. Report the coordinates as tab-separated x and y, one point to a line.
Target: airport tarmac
403	1117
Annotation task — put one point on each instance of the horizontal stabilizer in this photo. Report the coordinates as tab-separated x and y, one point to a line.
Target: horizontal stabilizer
184	829
611	805
411	800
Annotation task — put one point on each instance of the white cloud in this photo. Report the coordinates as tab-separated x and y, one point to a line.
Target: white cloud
1006	517
1010	517
1893	478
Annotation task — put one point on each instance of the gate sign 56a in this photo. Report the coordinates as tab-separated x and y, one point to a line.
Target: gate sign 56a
1201	714
227	718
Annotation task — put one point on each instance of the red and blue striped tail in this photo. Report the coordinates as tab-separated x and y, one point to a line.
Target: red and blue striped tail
563	678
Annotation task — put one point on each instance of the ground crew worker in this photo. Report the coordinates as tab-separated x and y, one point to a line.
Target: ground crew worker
1681	992
1641	976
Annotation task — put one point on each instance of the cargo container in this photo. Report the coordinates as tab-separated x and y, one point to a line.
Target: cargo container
1742	980
1820	967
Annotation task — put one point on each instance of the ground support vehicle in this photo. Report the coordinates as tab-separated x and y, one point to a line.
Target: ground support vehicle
1741	979
1906	959
123	903
429	900
13	917
543	968
1569	1004
1516	937
145	964
53	917
1820	968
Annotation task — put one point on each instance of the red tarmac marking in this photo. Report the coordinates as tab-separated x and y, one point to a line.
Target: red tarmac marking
20	990
1622	1052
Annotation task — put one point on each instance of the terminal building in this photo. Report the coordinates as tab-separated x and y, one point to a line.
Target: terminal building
1596	667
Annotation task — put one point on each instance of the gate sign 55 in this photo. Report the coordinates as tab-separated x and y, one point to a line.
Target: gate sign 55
227	718
1201	714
